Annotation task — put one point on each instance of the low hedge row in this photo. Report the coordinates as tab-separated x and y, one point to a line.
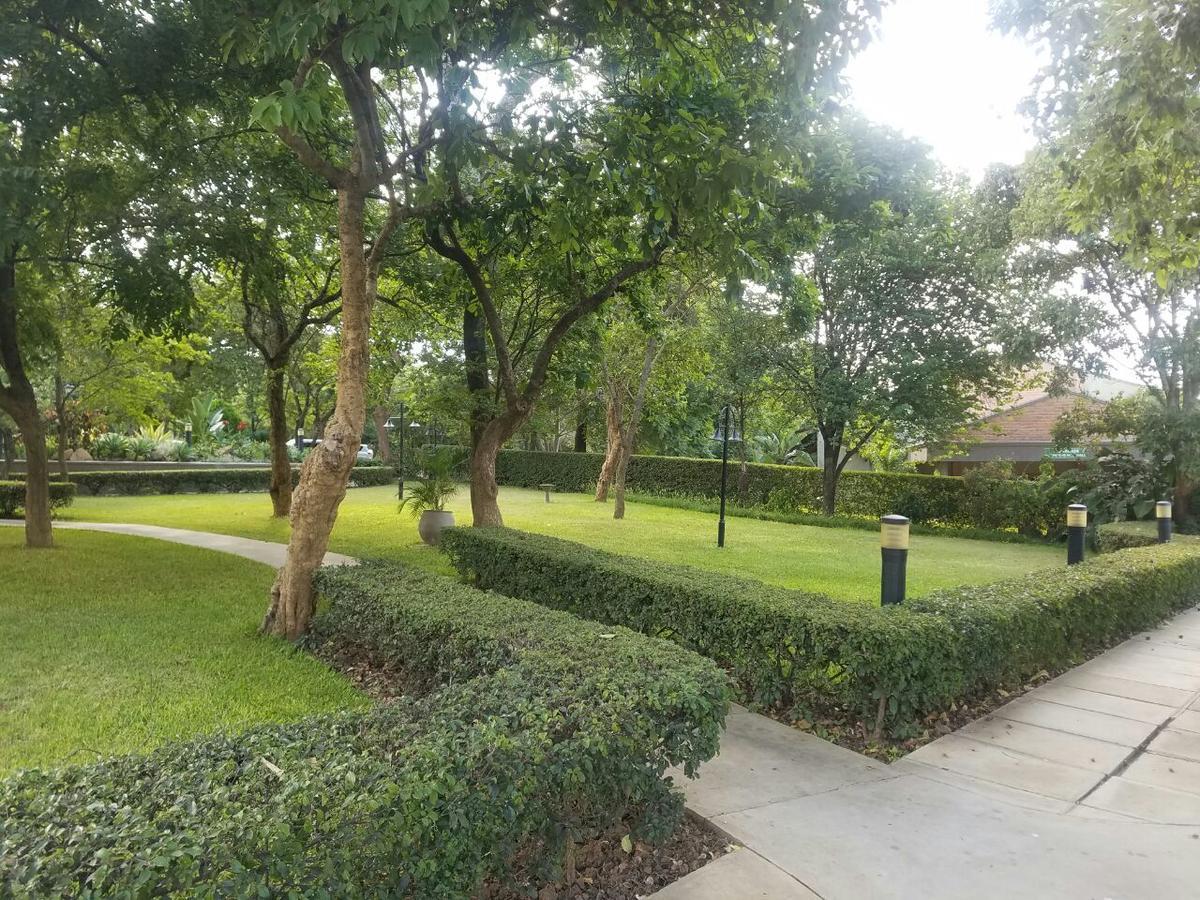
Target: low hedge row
883	665
787	489
525	729
205	481
1123	535
12	496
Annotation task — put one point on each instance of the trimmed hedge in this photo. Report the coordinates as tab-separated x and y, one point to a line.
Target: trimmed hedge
12	497
206	481
786	489
1113	536
527	728
890	665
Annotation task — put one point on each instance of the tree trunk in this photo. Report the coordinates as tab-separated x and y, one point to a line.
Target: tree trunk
18	400
380	416
485	506
629	432
6	449
325	472
60	413
829	478
614	413
277	437
581	434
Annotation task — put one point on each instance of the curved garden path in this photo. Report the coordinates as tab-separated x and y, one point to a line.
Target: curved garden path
1087	787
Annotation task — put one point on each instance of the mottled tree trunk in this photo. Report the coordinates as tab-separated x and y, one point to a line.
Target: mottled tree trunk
325	472
277	437
17	399
380	416
581	434
614	415
485	506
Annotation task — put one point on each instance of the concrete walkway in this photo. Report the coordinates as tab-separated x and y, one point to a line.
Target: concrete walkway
1088	787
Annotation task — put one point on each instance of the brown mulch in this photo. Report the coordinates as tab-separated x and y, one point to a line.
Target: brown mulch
854	735
605	870
608	867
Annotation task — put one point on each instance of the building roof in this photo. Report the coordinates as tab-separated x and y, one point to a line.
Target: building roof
1029	422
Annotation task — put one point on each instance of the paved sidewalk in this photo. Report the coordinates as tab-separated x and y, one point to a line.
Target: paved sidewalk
1088	787
267	552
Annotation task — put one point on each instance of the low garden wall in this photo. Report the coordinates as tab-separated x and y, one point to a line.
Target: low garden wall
526	728
885	666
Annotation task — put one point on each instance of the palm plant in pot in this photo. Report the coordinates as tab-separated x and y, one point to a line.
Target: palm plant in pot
427	499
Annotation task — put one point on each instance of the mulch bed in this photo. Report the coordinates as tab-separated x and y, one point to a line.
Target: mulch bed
608	867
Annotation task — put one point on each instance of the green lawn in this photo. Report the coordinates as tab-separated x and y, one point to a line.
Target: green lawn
114	643
840	562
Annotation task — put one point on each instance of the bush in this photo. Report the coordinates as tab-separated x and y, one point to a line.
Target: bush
204	481
1113	536
537	728
12	497
110	446
923	498
785	647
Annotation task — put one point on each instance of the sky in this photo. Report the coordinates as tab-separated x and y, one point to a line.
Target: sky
937	72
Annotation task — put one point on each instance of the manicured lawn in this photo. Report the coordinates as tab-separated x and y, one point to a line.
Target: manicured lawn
840	562
114	643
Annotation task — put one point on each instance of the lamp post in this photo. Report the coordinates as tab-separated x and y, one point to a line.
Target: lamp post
400	456
1162	512
1076	527
893	541
187	433
724	433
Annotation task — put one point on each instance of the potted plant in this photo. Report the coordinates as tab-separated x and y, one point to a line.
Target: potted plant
428	498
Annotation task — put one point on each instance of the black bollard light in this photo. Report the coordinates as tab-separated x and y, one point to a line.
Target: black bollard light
1162	511
1076	528
726	432
893	539
187	433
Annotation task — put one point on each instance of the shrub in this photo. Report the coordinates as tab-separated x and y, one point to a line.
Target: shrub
536	728
203	481
1113	536
110	446
784	646
781	646
12	496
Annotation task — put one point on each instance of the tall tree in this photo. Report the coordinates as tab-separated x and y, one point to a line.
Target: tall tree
79	79
390	104
902	317
1118	111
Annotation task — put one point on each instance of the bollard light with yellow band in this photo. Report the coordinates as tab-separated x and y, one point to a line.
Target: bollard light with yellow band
1162	512
893	542
1076	528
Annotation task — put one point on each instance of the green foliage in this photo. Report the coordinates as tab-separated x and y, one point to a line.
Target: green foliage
787	648
436	485
532	729
12	497
110	446
203	481
1113	536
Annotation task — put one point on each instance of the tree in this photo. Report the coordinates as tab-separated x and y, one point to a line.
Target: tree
79	79
389	103
1119	115
903	317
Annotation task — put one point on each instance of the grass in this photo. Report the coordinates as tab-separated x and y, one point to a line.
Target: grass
115	643
841	562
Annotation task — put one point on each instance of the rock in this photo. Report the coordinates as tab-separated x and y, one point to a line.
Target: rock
80	455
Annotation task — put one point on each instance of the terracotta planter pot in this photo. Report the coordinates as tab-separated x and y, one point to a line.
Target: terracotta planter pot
432	522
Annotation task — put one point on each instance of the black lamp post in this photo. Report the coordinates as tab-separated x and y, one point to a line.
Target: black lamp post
187	433
725	433
400	455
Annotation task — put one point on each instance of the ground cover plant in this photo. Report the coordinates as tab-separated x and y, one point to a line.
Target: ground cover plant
842	563
522	729
115	644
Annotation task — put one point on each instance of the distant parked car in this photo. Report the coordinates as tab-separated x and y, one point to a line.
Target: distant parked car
365	452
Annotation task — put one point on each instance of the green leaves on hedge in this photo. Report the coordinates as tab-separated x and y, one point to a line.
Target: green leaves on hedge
12	496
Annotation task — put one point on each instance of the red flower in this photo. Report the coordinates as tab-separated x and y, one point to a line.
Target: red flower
241	426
